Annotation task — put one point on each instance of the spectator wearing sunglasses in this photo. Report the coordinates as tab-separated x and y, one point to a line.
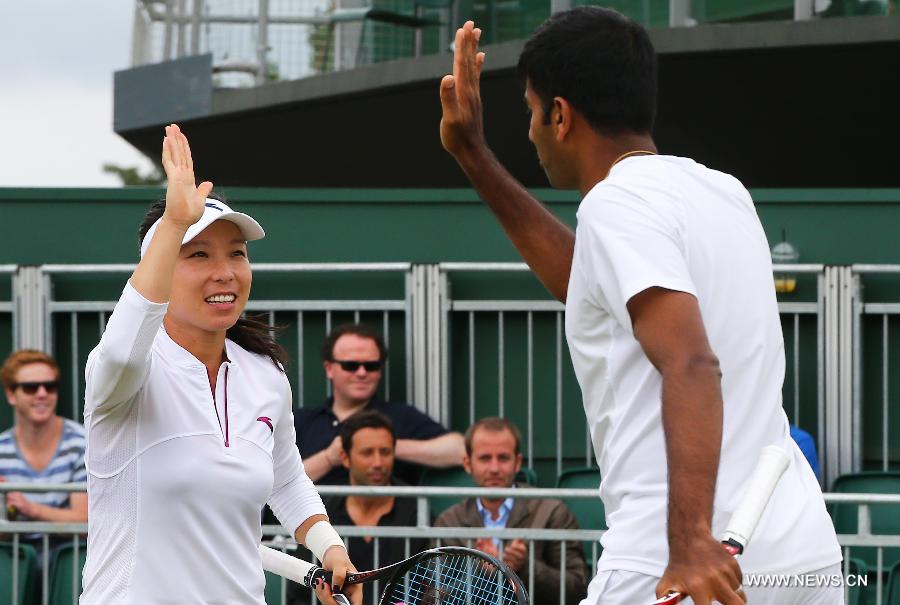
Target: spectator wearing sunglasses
41	446
353	356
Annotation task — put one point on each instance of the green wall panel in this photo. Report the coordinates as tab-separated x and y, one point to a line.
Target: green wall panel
40	226
100	225
834	226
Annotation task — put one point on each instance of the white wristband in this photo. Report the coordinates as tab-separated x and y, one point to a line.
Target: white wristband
320	537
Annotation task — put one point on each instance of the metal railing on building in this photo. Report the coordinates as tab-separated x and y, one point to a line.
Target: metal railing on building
258	41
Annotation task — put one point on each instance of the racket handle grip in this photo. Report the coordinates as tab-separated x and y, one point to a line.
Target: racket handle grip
773	461
292	568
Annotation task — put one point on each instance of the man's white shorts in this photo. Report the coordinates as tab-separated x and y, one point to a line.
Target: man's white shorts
630	588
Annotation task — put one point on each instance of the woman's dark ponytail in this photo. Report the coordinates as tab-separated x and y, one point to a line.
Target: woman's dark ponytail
250	333
258	336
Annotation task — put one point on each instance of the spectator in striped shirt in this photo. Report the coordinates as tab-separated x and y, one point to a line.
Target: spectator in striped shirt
41	446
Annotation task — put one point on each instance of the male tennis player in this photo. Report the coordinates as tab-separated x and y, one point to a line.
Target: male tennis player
671	317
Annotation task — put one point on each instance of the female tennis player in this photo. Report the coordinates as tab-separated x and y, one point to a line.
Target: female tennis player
188	415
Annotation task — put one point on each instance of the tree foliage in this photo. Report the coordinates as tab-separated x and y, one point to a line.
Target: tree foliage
131	176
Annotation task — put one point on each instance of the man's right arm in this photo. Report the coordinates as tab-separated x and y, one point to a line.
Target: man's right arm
545	242
320	464
441	451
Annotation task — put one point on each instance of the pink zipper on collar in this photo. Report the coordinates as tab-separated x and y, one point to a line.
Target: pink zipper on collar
226	406
216	408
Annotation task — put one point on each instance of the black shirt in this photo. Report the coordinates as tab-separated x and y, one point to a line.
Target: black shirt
317	427
362	553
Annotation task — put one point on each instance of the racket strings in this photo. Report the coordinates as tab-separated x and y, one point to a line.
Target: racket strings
452	580
452	589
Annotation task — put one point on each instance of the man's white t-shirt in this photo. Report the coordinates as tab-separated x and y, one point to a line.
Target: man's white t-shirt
670	222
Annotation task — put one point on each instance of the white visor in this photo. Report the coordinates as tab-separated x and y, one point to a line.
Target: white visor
215	210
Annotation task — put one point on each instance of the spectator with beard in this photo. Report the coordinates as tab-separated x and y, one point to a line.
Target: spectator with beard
368	446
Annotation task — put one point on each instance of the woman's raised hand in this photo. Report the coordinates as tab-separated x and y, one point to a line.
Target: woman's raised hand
184	199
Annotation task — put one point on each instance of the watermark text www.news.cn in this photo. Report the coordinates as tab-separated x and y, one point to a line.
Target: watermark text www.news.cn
808	580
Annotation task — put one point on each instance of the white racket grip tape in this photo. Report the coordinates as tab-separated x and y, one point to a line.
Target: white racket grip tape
773	461
285	565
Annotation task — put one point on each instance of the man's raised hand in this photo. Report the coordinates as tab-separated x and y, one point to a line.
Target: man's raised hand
184	199
461	125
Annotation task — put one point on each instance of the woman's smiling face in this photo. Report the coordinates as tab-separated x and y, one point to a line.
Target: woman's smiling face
212	278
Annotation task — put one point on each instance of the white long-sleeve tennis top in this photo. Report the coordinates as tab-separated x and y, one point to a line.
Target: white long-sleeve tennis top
177	476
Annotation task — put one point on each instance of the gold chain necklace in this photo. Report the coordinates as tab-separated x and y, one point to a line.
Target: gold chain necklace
628	155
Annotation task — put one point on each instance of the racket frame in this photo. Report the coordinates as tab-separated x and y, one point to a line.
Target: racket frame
306	574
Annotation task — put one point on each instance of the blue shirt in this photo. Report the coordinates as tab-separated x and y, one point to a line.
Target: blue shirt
67	465
500	521
808	446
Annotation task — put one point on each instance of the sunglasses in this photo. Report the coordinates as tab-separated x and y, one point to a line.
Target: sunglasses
30	388
353	366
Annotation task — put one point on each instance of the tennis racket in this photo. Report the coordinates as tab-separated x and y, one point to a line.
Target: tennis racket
773	461
448	574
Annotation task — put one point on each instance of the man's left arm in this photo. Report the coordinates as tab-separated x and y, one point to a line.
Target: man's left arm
425	441
669	327
445	450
